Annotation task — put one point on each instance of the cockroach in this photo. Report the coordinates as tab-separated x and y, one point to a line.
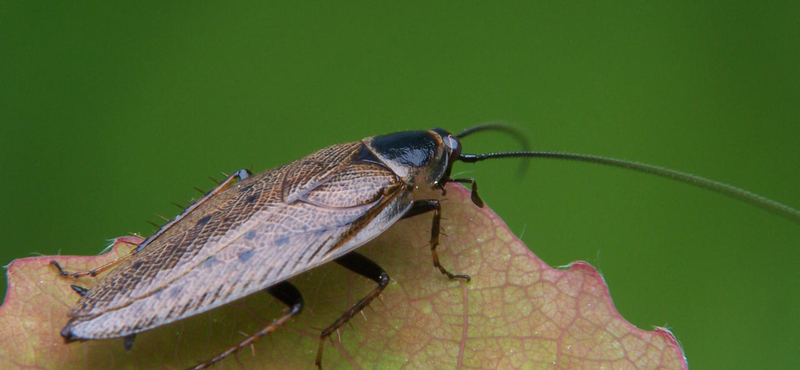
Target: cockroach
253	232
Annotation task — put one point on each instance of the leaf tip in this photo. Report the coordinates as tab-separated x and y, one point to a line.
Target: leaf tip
672	342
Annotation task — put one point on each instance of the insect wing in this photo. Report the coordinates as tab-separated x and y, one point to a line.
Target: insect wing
263	230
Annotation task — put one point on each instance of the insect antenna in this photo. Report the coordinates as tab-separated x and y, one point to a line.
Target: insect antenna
715	186
507	129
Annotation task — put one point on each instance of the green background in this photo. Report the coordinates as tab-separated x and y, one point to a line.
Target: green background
111	112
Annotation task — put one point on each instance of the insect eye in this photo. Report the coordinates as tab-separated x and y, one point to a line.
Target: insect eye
453	146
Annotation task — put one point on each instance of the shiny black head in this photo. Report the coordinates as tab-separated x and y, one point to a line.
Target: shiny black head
420	158
426	158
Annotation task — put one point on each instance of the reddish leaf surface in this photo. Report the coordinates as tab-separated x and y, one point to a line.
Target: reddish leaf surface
516	313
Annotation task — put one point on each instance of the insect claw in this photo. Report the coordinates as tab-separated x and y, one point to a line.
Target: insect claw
79	289
67	273
128	341
58	266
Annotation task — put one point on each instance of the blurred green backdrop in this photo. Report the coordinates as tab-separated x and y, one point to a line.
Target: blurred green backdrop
111	112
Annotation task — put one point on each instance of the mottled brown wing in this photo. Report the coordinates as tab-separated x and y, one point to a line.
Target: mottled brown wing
260	231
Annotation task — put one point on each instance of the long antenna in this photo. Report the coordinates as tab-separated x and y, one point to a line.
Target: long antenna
718	187
506	129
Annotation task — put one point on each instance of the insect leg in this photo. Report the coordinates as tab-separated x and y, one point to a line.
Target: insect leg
128	342
241	175
79	289
474	194
100	269
284	292
428	205
363	266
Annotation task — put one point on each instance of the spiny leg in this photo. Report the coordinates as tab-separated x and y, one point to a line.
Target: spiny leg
96	271
240	175
428	205
363	266
284	292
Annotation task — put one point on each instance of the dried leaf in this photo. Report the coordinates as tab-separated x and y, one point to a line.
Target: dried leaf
516	313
